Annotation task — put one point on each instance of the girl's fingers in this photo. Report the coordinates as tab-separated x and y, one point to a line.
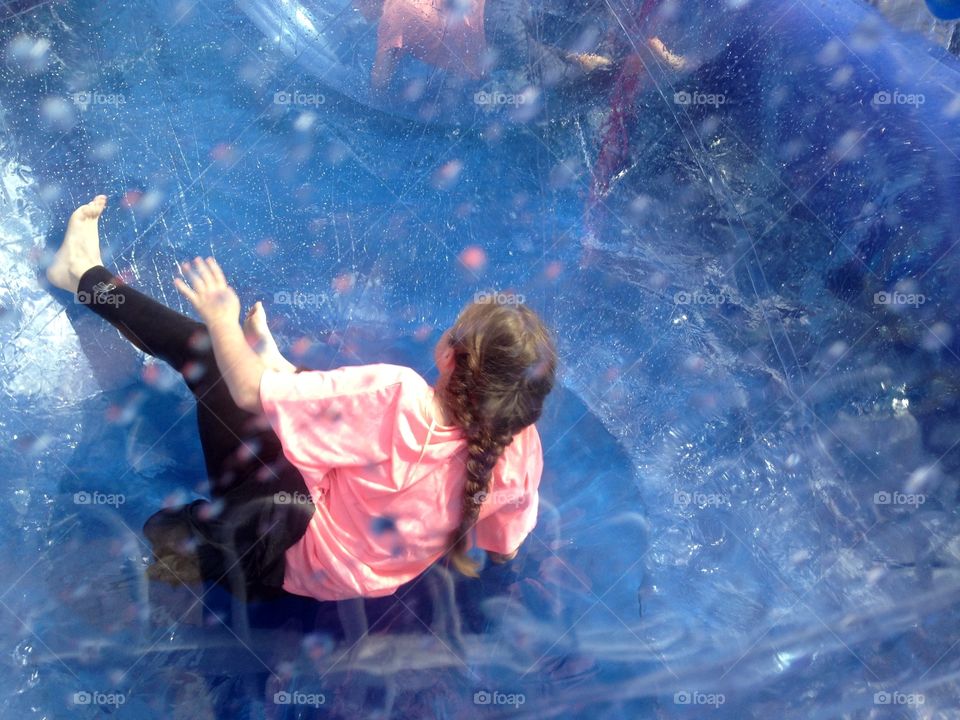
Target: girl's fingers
185	290
184	268
216	271
203	277
203	272
193	277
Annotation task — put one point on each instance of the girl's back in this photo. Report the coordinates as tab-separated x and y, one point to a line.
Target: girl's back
387	479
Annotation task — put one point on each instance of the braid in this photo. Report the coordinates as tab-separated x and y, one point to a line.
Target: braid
483	452
491	395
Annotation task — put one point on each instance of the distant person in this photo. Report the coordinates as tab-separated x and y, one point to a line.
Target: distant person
456	38
341	483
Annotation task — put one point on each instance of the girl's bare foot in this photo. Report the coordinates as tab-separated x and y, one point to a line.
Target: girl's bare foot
676	62
261	339
80	250
589	62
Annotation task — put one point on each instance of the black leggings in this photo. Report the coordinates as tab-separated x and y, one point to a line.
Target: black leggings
262	504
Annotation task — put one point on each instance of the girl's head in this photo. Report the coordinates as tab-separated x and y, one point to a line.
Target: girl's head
497	365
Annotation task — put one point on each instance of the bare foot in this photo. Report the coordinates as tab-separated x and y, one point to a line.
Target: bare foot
589	62
676	62
261	339
80	250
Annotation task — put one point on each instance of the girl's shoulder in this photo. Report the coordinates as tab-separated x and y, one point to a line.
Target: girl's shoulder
400	373
522	459
386	373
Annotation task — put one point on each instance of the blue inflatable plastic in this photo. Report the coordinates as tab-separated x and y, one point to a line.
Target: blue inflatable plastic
749	508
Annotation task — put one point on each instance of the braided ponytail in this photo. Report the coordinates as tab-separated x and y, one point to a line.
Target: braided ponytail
503	368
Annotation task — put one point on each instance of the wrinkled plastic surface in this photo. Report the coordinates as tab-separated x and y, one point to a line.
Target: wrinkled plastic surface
749	508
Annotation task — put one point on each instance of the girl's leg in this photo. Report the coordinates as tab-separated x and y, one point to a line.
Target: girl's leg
238	446
228	434
152	327
230	437
507	25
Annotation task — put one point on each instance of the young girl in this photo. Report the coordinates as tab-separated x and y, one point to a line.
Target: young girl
468	37
334	484
457	36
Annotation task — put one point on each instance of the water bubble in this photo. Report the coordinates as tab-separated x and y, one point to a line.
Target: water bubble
937	337
223	154
336	152
23	652
640	205
952	109
831	53
104	151
553	269
305	121
848	146
868	35
694	364
564	173
842	75
30	53
381	525
474	257
447	175
837	350
343	283
414	90
57	114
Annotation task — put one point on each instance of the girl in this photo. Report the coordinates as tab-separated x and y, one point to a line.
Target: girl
457	37
336	484
470	37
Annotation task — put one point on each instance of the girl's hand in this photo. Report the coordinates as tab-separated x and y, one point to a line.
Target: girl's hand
208	292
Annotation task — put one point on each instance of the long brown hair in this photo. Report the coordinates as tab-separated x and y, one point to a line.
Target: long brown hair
504	366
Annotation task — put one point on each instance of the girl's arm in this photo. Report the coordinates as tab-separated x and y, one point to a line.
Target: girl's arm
219	307
284	365
239	365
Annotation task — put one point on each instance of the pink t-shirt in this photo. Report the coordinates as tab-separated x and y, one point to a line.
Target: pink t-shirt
443	34
386	498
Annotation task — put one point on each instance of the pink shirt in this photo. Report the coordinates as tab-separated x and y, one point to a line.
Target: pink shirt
443	34
387	486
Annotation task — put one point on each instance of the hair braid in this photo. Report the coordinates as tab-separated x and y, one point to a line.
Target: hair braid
503	368
483	452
